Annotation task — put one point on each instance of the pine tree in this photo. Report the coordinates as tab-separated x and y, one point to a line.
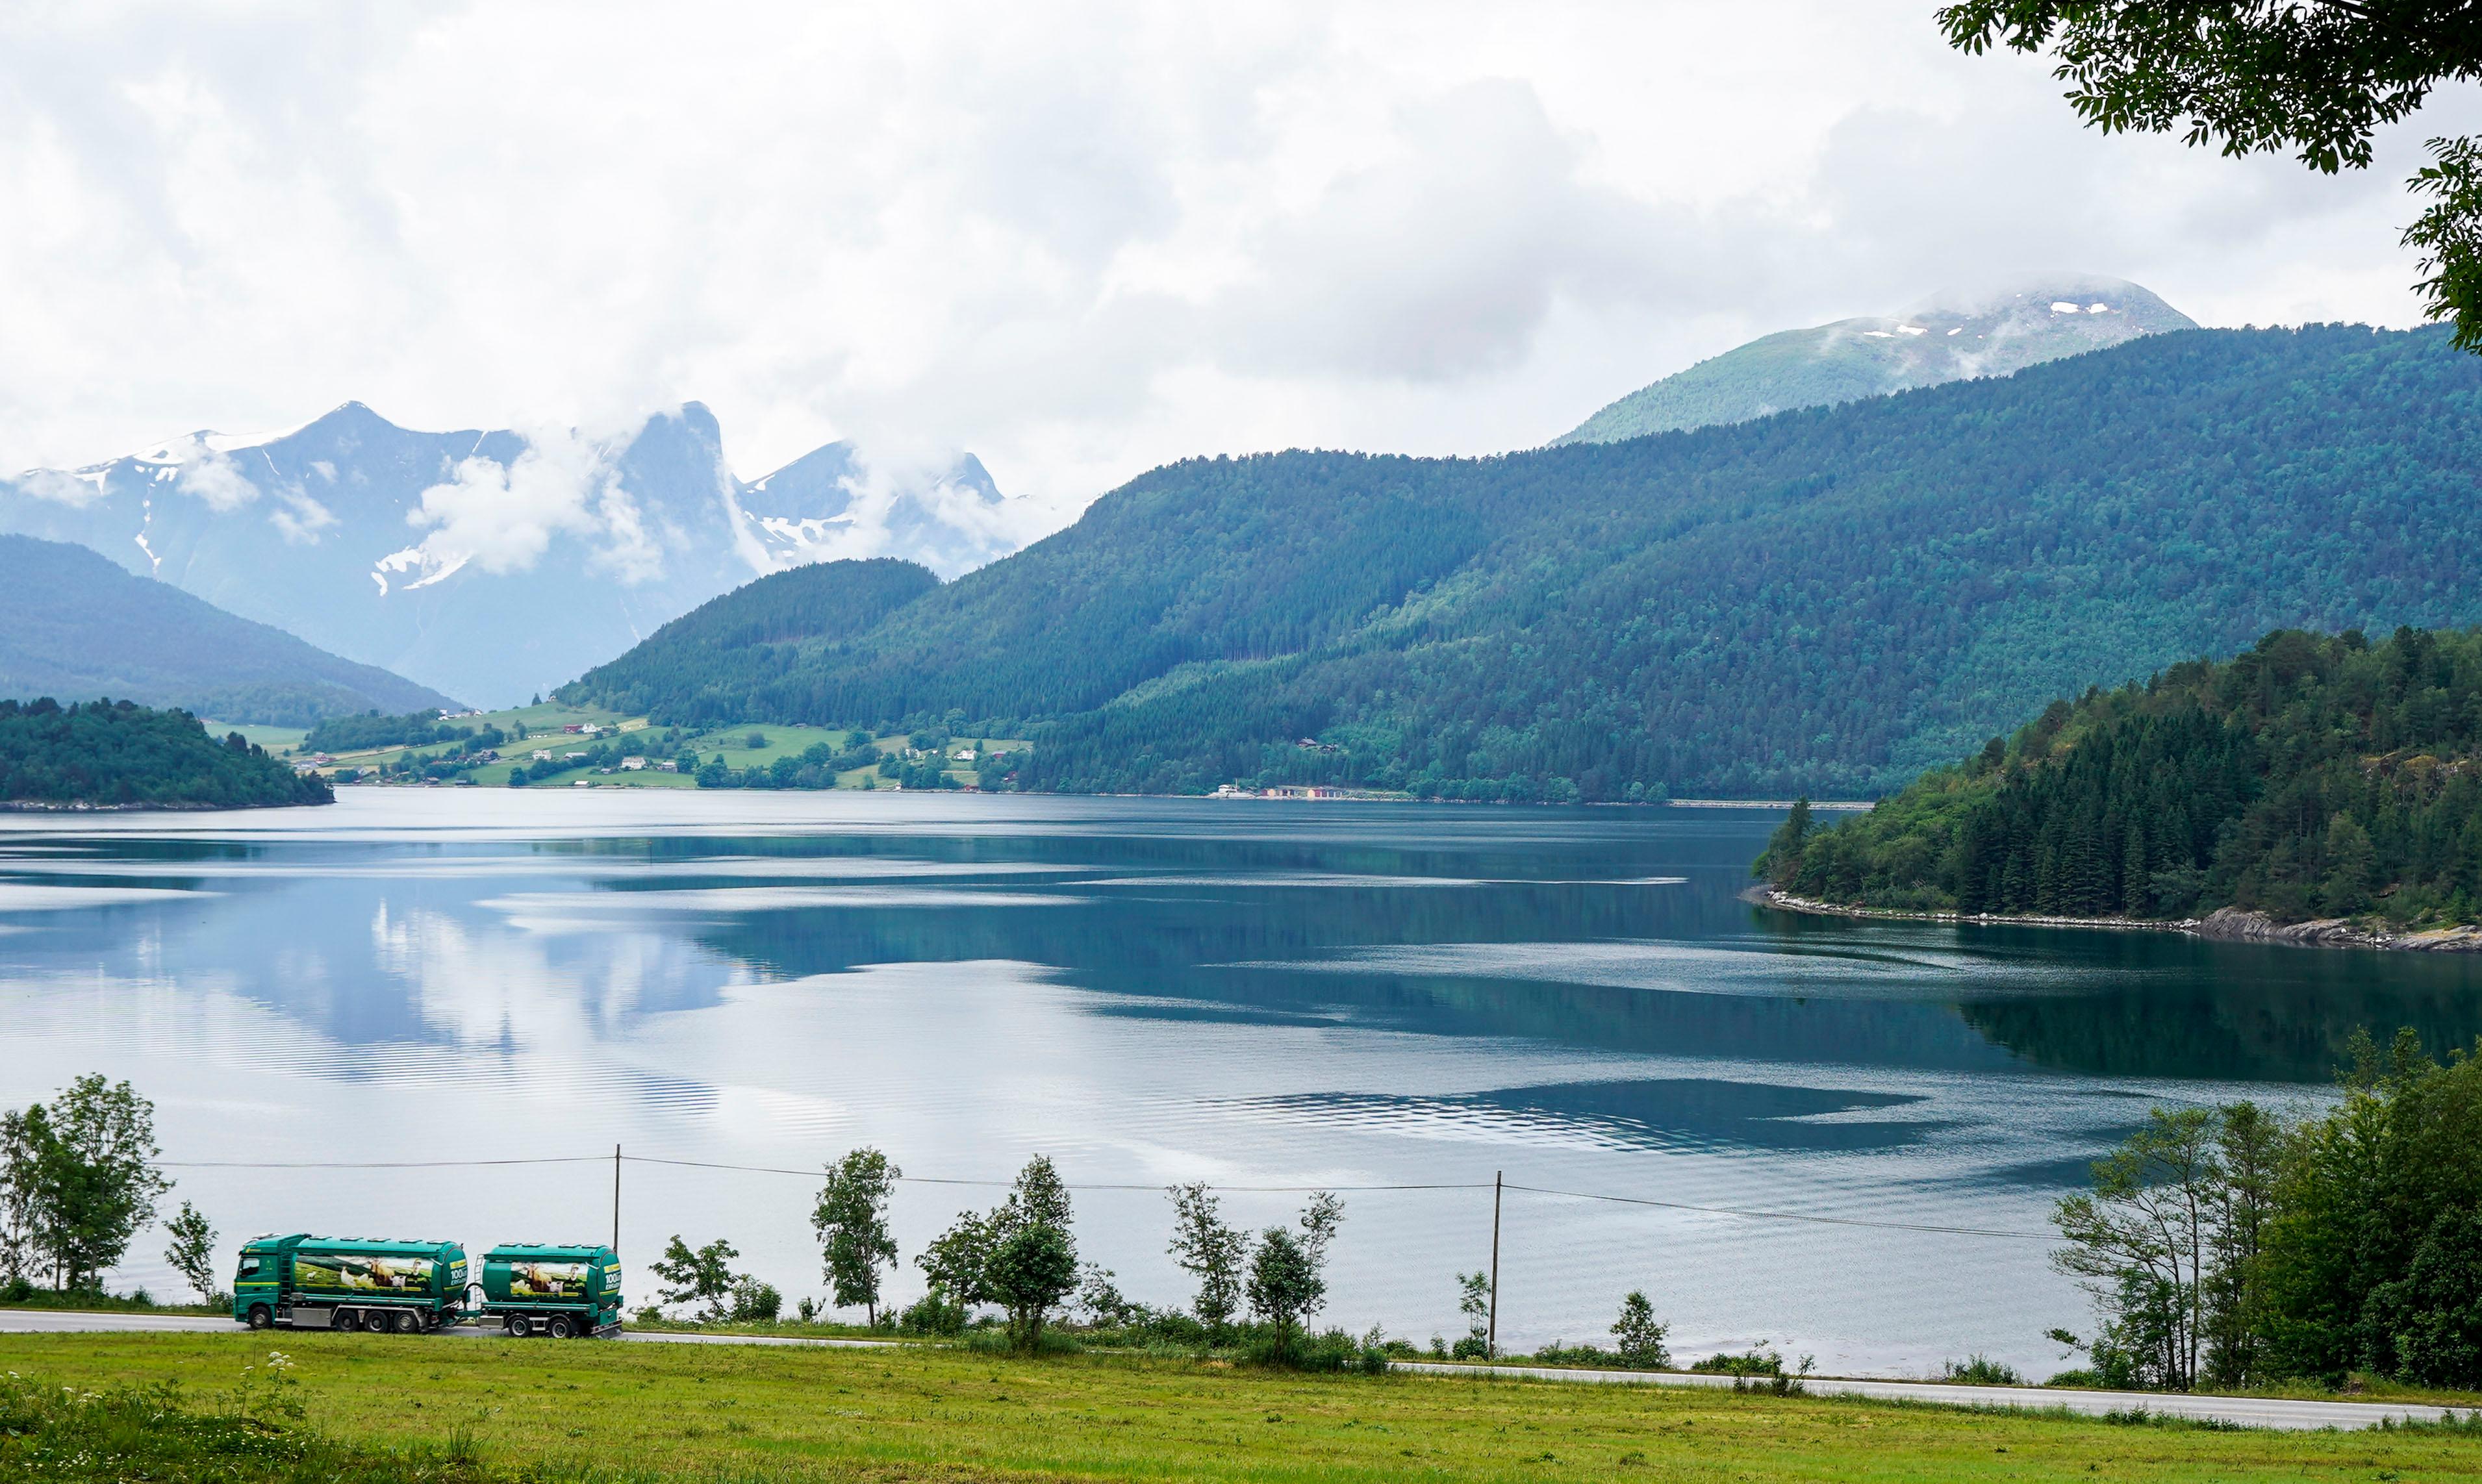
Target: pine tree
2135	898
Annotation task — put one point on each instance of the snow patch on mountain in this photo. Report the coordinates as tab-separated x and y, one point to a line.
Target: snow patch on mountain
492	564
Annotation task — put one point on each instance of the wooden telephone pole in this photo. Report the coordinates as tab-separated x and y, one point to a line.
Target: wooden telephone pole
1491	1342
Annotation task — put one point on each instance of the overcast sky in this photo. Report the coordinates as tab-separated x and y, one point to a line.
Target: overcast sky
1078	241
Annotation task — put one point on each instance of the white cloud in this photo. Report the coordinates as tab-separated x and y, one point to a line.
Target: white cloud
210	475
299	518
911	506
504	517
1077	241
63	489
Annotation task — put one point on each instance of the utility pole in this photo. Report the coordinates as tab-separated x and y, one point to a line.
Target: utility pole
616	1198
1490	1344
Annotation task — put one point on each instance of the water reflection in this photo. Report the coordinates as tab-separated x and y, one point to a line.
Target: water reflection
1154	990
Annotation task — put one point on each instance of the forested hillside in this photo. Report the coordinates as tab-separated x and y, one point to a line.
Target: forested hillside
2309	777
72	623
118	753
1826	600
731	646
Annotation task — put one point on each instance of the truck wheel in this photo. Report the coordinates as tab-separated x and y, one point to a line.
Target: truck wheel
260	1318
408	1322
518	1328
345	1319
560	1328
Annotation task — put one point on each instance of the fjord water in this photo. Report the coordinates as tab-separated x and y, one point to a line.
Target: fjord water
1255	994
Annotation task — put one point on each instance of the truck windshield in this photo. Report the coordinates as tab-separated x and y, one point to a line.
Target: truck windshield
248	1264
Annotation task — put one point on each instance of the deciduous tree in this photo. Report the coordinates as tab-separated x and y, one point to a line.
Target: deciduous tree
191	1253
1209	1251
1638	1337
851	1219
703	1276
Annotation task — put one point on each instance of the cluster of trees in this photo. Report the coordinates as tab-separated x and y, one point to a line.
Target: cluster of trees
357	733
1258	1291
118	753
2310	776
815	766
1823	602
78	1182
1021	1256
2231	1247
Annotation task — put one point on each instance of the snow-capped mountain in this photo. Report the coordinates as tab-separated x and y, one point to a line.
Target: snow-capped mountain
491	565
1954	337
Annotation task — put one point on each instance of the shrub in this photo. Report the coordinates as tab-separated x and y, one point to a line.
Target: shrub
1557	1353
1980	1370
933	1314
1333	1352
755	1302
1753	1362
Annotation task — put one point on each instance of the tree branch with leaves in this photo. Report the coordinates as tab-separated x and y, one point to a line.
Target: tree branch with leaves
2316	78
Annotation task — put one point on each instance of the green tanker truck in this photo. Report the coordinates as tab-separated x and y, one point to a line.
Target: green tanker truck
306	1281
348	1284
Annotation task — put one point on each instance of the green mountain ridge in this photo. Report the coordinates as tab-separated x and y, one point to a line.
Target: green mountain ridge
1872	357
74	624
1824	601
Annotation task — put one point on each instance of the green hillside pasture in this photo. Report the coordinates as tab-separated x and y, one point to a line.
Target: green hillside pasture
275	740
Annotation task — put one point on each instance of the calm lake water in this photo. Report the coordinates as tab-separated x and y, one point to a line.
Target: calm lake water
1254	994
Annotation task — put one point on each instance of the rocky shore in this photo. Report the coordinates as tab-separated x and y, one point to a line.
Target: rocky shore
2228	924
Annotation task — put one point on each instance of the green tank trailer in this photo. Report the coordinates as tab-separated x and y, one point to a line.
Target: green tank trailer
559	1292
414	1288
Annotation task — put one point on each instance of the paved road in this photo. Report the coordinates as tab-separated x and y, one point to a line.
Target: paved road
2245	1411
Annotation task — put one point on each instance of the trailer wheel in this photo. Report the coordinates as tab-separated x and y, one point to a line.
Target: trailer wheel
408	1322
518	1328
260	1318
376	1321
345	1319
560	1328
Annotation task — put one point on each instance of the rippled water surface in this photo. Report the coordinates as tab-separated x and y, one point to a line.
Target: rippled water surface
1258	994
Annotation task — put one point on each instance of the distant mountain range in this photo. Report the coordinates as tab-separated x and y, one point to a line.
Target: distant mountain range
75	627
489	565
1991	336
1824	600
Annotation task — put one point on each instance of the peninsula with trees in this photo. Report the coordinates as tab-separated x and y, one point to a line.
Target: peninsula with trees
2314	789
120	755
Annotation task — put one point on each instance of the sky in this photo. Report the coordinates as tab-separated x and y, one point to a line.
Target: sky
1077	241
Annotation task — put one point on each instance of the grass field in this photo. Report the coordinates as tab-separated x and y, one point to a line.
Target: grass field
731	743
746	1412
274	739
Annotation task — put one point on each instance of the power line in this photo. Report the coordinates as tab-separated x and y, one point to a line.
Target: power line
375	1164
1739	1212
1826	1221
995	1185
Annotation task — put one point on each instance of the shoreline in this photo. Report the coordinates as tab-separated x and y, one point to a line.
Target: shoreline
2225	924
